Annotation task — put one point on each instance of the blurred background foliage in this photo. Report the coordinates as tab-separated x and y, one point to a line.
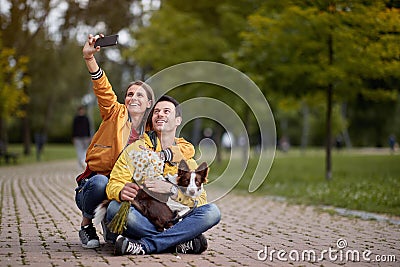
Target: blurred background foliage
296	51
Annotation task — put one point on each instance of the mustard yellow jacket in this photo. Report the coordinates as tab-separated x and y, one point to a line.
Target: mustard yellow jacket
123	171
113	133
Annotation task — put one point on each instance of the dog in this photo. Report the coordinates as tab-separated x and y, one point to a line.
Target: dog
192	183
162	213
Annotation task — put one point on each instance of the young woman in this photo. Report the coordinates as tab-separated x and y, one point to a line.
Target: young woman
121	124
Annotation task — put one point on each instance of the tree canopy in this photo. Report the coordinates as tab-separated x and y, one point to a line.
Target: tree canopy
13	80
294	50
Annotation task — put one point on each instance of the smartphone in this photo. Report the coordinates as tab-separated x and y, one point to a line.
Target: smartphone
107	41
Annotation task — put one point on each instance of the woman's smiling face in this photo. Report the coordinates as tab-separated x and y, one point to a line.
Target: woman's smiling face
136	100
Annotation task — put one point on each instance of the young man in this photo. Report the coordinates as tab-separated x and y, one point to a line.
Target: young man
141	236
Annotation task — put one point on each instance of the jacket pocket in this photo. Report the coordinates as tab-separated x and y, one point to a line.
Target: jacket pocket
101	158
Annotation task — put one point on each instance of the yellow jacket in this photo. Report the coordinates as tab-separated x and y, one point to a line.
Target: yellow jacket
113	133
123	171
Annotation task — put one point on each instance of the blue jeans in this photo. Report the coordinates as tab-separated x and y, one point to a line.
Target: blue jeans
141	230
90	193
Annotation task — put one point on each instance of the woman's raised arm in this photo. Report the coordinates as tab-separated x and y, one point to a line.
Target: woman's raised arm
88	52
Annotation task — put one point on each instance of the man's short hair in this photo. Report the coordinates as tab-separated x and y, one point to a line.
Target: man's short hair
178	109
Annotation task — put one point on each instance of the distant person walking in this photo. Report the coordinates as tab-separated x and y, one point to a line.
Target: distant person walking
40	140
392	143
81	135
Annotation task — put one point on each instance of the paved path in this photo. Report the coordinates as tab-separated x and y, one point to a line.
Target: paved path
39	223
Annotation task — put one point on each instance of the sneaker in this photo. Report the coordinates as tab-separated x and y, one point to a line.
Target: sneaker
195	246
123	246
89	237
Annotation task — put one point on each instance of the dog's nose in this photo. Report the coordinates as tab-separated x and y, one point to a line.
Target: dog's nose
192	192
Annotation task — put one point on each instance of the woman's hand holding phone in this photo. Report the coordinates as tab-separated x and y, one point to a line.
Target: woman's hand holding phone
89	48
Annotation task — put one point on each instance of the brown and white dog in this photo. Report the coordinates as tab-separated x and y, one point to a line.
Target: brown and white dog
163	213
191	182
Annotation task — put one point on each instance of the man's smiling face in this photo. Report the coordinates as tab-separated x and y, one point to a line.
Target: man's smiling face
163	118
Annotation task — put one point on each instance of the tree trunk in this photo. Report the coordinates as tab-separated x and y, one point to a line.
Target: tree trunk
26	135
3	134
306	126
328	169
217	140
242	140
196	131
346	136
328	173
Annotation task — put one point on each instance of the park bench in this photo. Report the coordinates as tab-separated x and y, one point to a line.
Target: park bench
8	156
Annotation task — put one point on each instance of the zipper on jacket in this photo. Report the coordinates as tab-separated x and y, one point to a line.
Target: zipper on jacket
102	146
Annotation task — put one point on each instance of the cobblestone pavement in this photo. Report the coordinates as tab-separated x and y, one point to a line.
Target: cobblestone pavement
39	224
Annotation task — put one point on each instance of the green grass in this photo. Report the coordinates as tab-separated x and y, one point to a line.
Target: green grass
367	182
50	152
361	181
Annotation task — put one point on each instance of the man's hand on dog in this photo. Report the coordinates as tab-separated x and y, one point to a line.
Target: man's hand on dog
129	192
158	186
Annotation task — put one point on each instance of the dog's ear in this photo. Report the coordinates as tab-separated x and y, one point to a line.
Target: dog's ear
182	168
202	170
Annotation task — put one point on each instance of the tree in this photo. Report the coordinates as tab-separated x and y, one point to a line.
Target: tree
13	79
158	46
188	31
304	47
50	34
